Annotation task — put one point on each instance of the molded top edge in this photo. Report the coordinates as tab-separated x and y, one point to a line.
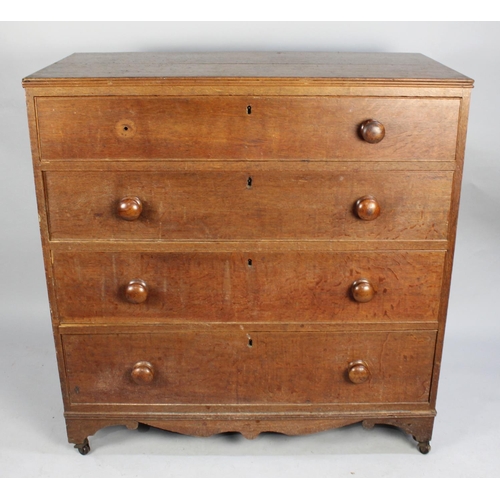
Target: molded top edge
334	67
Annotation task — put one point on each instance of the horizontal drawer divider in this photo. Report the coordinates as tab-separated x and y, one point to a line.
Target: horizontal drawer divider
244	246
158	328
246	411
237	164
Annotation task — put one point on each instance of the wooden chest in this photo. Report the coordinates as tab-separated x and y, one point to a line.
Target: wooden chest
248	241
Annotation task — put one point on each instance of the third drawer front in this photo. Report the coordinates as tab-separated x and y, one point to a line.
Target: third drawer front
254	367
250	205
250	286
250	128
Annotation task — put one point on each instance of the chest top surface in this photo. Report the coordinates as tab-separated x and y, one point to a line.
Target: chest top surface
335	67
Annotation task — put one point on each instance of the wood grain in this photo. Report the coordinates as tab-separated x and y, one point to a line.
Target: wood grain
225	368
237	87
200	205
417	424
452	230
285	286
248	167
287	327
351	68
284	128
241	165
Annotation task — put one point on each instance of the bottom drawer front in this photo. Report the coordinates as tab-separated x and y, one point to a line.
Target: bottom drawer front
255	367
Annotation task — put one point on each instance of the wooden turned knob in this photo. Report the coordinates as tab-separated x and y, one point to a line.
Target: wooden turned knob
129	208
362	290
372	131
136	292
367	208
142	373
358	372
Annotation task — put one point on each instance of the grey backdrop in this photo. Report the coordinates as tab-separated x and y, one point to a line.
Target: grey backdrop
466	440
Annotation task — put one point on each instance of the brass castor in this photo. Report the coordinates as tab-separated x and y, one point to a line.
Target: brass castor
424	447
83	448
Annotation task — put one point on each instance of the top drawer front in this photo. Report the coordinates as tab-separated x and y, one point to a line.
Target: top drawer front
249	128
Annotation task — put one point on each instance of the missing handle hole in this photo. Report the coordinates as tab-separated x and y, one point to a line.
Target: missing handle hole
125	128
250	343
249	110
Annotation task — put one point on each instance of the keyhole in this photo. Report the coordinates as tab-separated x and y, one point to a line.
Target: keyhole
250	343
249	182
249	110
249	262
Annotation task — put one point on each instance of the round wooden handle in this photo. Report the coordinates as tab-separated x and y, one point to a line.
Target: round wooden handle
372	131
367	208
358	372
129	208
142	373
362	290
136	292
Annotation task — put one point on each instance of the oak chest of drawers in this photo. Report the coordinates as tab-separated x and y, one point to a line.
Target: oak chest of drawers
248	241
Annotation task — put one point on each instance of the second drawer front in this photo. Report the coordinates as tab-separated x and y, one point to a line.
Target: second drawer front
266	368
247	205
289	286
